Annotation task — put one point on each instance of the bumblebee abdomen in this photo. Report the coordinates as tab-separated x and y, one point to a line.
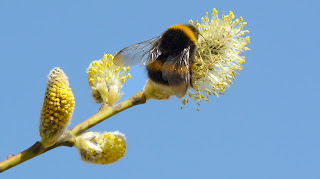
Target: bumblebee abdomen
172	44
157	69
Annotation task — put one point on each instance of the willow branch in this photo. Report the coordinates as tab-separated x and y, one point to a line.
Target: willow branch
68	137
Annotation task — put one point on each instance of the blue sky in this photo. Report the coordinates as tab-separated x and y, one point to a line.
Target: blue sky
265	126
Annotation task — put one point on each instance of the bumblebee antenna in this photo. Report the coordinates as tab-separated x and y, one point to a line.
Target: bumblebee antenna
204	39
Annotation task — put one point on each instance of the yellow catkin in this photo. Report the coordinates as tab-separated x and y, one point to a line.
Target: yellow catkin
218	59
105	80
101	148
57	107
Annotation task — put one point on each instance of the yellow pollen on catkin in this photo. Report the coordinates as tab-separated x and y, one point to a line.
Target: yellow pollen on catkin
105	80
57	107
218	59
101	148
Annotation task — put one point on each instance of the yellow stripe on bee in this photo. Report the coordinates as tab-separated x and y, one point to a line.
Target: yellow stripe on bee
157	65
186	30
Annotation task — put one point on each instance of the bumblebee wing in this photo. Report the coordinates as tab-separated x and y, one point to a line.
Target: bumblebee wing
176	71
141	53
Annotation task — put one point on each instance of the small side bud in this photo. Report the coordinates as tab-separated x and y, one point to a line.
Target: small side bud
106	79
101	148
57	107
156	91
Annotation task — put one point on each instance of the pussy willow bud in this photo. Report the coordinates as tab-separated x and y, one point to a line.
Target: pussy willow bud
106	79
101	148
156	91
57	107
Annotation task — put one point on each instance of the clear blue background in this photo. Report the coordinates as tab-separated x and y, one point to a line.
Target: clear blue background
265	126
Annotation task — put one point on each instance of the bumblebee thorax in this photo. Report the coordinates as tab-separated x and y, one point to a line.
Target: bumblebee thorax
189	31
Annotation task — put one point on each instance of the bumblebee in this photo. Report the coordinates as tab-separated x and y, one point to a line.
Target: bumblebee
167	57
